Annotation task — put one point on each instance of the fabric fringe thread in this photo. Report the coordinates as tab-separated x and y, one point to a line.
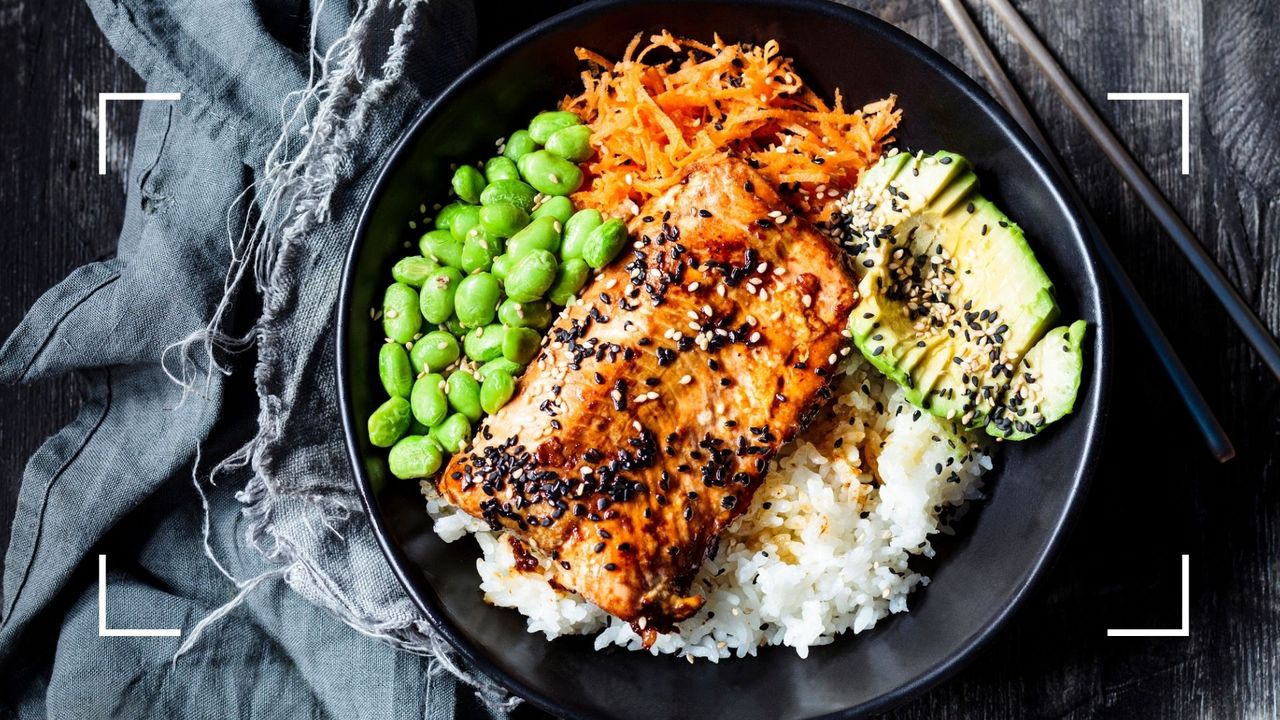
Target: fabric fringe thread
331	112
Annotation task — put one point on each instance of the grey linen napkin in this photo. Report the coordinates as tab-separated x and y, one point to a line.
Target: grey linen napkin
210	424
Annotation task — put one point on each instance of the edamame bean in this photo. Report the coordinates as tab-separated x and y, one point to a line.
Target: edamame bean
394	370
520	143
442	247
503	219
468	183
453	433
444	218
434	352
576	230
502	266
479	250
476	300
464	221
550	174
401	317
520	345
541	234
558	207
499	364
413	270
604	243
389	421
438	291
428	400
545	123
414	456
536	314
496	390
570	278
572	143
485	343
509	191
501	168
464	394
531	276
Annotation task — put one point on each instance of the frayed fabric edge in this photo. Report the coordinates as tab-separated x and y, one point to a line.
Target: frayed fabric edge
301	188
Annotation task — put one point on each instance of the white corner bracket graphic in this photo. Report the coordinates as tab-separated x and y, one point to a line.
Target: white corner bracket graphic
102	118
1183	631
1185	98
103	630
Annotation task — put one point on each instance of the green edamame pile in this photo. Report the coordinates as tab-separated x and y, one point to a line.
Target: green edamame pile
463	318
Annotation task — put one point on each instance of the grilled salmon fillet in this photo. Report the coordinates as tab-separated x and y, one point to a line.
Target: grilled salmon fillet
658	399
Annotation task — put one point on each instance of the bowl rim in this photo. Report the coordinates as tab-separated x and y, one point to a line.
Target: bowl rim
1093	411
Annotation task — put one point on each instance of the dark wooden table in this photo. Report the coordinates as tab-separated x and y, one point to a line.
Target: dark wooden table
1158	494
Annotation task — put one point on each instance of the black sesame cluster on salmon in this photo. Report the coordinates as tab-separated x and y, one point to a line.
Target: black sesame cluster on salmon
657	401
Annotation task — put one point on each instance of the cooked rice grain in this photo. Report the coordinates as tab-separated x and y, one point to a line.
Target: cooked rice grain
825	547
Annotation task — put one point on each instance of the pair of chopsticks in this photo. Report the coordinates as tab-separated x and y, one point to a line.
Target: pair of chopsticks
1239	311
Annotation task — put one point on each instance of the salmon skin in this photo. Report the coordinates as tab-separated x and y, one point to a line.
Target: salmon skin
658	399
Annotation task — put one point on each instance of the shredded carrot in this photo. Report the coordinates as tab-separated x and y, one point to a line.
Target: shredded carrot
650	120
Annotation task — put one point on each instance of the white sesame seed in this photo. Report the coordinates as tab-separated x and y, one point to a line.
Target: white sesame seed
686	379
807	300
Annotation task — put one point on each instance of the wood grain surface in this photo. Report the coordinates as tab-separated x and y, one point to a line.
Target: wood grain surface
1157	495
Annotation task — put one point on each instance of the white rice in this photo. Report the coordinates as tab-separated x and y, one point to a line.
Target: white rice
825	547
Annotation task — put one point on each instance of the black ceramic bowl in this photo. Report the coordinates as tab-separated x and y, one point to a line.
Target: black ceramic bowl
979	579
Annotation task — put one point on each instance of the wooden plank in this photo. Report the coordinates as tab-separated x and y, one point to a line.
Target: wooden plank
59	212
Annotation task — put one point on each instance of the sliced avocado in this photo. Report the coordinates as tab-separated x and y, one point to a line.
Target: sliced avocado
952	297
1044	386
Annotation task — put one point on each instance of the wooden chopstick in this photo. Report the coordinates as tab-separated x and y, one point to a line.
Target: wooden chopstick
1215	436
1237	309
